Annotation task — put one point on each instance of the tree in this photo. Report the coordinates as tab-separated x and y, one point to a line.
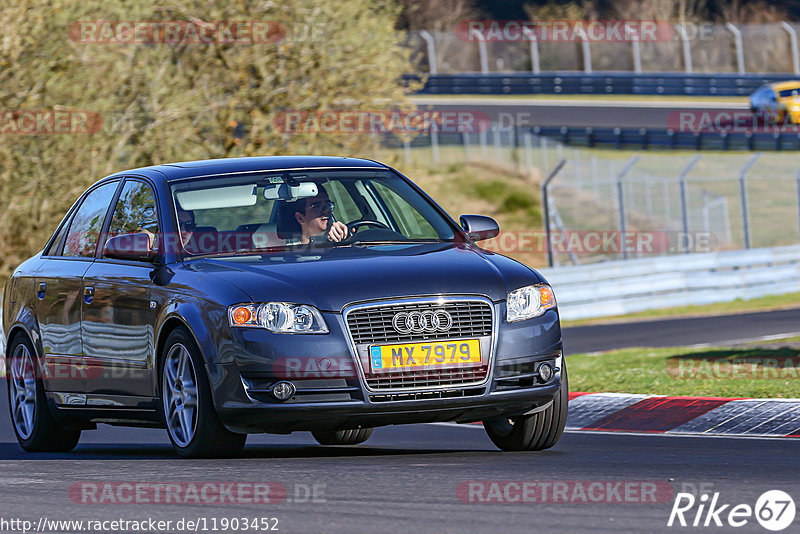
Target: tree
164	102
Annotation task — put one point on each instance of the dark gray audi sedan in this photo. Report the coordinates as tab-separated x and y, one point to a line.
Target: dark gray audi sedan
277	294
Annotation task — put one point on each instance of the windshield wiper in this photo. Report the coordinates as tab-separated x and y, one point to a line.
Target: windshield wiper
399	242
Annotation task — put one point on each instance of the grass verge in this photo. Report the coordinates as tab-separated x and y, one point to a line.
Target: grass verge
713	372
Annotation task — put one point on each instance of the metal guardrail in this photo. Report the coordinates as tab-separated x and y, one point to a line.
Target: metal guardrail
644	138
621	287
605	83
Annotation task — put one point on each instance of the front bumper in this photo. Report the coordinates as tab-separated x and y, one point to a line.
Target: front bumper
284	418
240	389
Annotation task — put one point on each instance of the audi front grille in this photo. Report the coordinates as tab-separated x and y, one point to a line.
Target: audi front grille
375	324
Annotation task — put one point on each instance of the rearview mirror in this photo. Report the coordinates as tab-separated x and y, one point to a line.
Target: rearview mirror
479	227
132	247
291	192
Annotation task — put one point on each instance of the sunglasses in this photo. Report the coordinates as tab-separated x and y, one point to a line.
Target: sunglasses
187	226
320	205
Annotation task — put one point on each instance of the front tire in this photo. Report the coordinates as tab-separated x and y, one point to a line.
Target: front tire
193	426
343	437
533	432
35	427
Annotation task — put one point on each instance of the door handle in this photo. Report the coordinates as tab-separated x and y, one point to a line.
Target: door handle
40	292
88	294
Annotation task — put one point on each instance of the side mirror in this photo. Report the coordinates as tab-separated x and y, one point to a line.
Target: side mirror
479	227
131	247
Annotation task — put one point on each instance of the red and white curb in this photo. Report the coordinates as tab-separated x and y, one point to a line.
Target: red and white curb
709	416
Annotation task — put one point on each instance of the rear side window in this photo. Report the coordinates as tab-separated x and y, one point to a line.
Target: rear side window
58	241
84	230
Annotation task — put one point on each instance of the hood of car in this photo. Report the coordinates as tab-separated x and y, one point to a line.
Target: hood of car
331	278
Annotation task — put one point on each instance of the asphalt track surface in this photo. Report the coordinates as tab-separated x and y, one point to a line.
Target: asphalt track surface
635	114
686	331
405	479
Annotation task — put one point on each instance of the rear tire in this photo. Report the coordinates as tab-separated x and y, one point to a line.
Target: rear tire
187	410
533	432
343	437
35	427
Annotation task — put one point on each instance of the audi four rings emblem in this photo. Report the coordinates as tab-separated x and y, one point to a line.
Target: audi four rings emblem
419	322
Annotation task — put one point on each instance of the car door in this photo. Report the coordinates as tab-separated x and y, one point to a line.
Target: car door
117	324
59	292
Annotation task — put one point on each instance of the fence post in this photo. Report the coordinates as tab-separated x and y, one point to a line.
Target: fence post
737	38
482	140
481	50
743	194
798	194
428	38
526	140
465	140
687	48
587	53
546	210
407	151
793	41
496	143
637	55
534	46
685	202
621	200
435	146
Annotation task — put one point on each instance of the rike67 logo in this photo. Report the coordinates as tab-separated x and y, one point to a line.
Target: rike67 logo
774	510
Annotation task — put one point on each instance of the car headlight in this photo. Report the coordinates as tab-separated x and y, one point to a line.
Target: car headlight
528	302
279	317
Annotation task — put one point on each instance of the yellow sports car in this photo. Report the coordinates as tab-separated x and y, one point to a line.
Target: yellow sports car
778	101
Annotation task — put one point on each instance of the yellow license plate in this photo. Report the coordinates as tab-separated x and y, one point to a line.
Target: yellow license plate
437	354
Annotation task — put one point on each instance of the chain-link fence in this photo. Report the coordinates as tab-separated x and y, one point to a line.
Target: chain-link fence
677	201
702	47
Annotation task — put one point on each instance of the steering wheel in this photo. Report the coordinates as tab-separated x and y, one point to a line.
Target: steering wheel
353	226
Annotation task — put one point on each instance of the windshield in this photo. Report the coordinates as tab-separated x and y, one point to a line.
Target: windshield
277	210
790	92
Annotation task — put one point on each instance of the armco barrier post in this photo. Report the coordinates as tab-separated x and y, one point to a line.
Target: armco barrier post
621	198
546	209
743	195
685	201
428	38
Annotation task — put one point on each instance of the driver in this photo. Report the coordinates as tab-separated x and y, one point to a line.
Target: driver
315	217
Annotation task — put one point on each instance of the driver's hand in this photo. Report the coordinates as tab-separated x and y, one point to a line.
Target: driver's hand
338	231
